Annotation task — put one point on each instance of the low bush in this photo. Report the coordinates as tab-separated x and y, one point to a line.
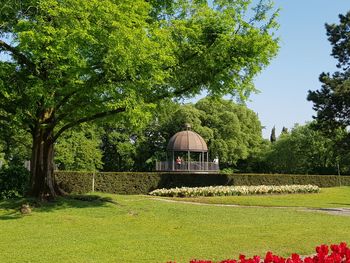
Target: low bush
14	182
143	183
235	190
340	254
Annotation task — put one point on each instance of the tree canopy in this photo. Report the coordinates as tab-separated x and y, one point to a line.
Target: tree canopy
235	130
306	150
332	101
67	62
79	149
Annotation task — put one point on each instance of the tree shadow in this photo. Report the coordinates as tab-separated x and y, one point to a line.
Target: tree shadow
12	206
74	201
11	216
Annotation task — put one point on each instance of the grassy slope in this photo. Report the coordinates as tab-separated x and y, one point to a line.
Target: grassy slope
328	197
139	229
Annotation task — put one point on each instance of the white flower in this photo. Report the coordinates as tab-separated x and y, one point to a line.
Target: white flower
234	190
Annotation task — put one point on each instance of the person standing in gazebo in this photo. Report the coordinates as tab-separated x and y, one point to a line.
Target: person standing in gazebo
216	160
178	162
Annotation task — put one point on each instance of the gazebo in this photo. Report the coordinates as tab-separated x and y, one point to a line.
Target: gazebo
187	151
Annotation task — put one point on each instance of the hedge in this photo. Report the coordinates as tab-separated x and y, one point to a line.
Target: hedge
143	183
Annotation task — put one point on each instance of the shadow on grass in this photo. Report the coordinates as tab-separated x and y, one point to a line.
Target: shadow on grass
12	206
11	216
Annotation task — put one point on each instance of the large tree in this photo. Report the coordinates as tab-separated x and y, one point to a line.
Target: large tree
66	62
332	101
234	131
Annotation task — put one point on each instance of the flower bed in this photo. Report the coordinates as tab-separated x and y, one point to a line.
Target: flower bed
235	190
339	254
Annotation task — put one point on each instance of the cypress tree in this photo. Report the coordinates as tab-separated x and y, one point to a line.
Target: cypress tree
273	135
284	130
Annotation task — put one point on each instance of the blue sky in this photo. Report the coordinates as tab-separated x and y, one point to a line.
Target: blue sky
304	54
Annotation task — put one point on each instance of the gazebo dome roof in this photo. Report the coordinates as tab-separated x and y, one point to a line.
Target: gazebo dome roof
187	141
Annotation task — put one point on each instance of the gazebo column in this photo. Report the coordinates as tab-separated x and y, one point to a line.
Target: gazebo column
173	163
188	161
202	162
206	166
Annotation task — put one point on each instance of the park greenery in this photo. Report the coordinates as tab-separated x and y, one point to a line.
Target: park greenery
64	63
331	102
78	98
89	87
122	228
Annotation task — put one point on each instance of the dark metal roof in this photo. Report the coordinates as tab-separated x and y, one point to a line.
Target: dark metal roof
187	141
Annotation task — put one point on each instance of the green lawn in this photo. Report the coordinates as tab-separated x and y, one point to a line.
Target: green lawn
328	197
141	229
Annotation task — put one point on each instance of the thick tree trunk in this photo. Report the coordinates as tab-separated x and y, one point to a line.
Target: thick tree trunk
43	184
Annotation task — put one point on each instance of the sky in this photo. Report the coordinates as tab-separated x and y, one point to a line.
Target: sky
304	54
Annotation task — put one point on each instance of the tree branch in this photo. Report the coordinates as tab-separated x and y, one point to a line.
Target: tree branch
22	59
65	99
86	119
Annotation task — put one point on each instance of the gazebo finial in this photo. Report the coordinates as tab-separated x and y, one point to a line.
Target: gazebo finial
188	126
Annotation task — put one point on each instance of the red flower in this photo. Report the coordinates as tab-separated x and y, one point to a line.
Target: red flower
322	250
268	257
256	259
241	258
229	261
340	254
296	258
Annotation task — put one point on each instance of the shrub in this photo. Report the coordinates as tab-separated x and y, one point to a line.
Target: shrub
14	182
143	183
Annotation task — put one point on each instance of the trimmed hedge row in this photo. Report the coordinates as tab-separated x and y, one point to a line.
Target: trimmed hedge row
143	183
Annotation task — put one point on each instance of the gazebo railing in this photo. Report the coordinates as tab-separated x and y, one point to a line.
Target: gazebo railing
186	166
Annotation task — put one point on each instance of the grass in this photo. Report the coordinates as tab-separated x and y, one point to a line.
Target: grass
135	228
328	197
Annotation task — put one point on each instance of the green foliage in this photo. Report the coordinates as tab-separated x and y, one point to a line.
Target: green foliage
74	182
79	149
303	151
143	183
154	139
14	182
118	145
15	146
332	101
235	130
284	130
74	61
